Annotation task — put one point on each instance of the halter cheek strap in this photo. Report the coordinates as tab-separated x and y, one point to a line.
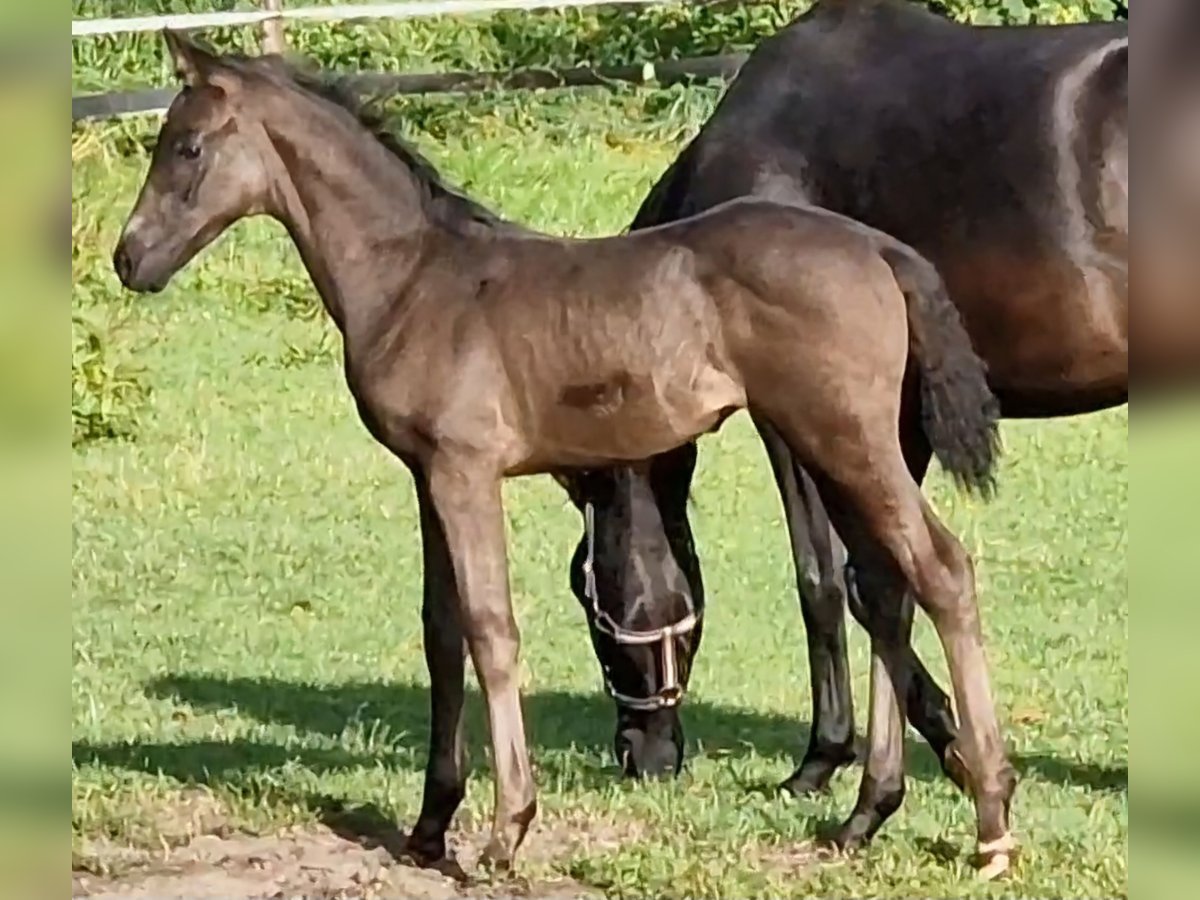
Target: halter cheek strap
670	692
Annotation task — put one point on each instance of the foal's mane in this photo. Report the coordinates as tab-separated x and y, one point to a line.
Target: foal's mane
447	203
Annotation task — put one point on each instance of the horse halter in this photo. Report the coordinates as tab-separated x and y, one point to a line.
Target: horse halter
670	691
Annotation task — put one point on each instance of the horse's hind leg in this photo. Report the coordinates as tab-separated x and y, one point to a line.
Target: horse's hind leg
818	557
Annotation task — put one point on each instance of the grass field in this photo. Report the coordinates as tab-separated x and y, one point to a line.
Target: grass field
247	583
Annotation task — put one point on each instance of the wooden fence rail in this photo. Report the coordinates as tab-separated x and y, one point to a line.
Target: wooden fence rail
273	18
156	100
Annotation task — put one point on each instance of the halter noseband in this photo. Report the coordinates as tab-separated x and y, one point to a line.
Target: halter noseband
670	691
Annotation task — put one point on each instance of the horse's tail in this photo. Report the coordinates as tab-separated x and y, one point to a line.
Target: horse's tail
959	413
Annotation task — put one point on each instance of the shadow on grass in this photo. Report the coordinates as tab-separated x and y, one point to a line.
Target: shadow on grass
1071	773
557	721
371	826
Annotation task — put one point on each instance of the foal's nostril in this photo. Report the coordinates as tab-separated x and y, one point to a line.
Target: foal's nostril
122	263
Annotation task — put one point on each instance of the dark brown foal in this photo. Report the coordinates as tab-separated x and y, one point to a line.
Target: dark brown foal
477	352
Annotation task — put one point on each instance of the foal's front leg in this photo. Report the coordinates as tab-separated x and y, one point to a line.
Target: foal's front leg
446	771
468	503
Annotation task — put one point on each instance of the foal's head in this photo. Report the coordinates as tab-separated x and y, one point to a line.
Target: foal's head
644	601
210	167
248	136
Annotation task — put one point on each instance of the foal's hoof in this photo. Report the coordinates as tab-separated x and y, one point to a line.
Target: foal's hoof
994	858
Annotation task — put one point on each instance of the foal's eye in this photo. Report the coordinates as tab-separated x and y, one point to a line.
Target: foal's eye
189	150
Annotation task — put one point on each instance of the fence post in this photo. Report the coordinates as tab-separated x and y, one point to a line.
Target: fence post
273	40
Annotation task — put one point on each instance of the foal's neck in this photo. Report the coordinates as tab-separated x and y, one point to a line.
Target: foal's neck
356	213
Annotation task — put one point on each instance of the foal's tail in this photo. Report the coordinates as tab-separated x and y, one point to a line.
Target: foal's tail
959	413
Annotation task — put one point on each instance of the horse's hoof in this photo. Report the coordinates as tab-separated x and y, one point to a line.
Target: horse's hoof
994	858
496	857
806	783
425	853
849	841
859	751
813	775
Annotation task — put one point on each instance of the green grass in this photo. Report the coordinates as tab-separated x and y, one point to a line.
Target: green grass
247	583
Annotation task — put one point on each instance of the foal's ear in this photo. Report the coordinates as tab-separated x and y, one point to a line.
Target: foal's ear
195	65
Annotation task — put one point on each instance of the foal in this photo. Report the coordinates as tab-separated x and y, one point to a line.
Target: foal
478	351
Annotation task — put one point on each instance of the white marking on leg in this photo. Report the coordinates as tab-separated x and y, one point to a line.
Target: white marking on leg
997	854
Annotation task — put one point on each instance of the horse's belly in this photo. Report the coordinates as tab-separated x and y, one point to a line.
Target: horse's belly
1045	327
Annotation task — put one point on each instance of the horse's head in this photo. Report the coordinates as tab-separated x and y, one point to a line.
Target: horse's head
211	166
636	576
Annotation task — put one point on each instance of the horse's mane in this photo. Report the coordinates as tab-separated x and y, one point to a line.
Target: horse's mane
444	199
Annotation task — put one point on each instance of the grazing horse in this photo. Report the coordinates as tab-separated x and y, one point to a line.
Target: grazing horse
478	351
1001	154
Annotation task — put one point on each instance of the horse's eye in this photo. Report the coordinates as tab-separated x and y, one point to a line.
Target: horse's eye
189	150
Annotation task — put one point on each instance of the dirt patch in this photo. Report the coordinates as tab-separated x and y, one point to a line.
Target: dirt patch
355	856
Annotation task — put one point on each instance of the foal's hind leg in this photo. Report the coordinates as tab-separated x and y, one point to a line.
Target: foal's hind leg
824	586
946	580
888	620
926	704
939	573
818	557
870	492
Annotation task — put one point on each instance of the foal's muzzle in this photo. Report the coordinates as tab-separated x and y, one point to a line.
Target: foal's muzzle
129	262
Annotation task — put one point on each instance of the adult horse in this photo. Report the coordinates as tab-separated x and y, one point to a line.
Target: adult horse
478	351
1002	155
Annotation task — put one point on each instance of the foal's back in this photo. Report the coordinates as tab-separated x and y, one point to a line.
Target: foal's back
552	352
